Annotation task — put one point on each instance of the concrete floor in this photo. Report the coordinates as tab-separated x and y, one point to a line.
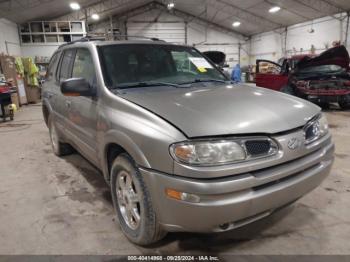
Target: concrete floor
51	205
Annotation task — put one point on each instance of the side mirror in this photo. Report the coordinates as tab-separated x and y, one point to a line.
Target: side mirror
76	87
226	66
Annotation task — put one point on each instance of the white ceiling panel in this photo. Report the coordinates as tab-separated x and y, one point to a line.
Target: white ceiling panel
253	14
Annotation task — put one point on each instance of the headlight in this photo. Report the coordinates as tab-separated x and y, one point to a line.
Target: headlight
316	128
217	152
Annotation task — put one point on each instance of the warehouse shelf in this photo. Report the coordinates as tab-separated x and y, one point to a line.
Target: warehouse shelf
36	32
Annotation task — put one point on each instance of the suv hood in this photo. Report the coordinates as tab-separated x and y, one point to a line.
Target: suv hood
220	109
333	56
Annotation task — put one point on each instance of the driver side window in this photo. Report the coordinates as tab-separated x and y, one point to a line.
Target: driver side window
83	66
267	67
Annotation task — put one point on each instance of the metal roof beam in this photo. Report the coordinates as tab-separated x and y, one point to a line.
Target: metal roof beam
135	11
191	18
11	5
321	6
334	5
280	4
235	11
124	15
100	8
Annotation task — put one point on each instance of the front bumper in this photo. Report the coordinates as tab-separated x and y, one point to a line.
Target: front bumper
325	95
233	201
327	98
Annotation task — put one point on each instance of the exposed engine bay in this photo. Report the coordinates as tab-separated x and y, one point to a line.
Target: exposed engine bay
323	79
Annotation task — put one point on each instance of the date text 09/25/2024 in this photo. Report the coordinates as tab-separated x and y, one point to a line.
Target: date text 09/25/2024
173	258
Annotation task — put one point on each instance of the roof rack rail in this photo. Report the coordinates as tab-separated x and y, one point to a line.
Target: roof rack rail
107	36
137	36
86	38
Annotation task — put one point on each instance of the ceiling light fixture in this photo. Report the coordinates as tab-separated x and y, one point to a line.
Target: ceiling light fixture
170	5
95	16
74	6
236	24
274	9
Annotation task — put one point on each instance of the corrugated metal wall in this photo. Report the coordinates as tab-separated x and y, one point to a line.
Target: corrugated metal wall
173	32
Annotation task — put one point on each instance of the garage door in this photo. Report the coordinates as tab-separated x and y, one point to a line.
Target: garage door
170	32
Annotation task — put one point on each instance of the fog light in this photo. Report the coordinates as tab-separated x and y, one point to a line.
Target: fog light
172	193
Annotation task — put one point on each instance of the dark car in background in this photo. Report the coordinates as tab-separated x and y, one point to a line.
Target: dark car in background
219	59
321	79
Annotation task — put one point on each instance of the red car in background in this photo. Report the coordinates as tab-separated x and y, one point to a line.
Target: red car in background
321	79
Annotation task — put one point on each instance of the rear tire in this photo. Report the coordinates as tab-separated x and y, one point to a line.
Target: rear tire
344	104
59	148
287	89
132	203
324	105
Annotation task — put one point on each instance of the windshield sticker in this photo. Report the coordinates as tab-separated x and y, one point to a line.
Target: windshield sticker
202	69
200	63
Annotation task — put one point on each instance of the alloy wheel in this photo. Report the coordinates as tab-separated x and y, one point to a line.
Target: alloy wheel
128	200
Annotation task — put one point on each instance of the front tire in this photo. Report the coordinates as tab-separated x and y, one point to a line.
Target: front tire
344	103
132	203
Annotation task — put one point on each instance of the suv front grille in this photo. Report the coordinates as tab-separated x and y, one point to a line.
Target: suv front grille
258	147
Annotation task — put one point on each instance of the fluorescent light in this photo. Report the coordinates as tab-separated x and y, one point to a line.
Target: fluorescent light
95	16
171	5
236	24
74	6
274	9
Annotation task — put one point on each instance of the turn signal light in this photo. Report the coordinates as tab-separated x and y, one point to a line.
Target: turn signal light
172	193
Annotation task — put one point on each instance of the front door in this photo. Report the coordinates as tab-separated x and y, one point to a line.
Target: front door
82	114
270	75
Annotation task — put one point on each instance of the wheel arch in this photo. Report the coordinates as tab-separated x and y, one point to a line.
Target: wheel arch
117	143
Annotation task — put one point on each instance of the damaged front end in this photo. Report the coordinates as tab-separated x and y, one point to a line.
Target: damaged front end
325	78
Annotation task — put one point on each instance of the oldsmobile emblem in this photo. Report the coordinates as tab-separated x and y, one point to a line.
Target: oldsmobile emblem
294	143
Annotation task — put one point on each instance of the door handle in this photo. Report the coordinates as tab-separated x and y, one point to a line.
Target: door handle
68	103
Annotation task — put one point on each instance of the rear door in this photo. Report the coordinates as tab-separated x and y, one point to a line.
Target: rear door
270	75
50	91
58	99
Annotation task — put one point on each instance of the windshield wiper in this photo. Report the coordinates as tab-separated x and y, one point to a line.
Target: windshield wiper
143	84
201	80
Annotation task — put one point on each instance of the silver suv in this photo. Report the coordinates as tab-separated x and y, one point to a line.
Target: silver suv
182	148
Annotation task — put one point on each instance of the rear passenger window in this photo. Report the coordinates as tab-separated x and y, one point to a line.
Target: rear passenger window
83	66
65	68
52	66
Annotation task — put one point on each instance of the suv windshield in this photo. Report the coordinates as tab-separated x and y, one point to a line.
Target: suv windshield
135	65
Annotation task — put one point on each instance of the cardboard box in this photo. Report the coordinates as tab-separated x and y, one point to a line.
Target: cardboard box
8	65
21	92
33	94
